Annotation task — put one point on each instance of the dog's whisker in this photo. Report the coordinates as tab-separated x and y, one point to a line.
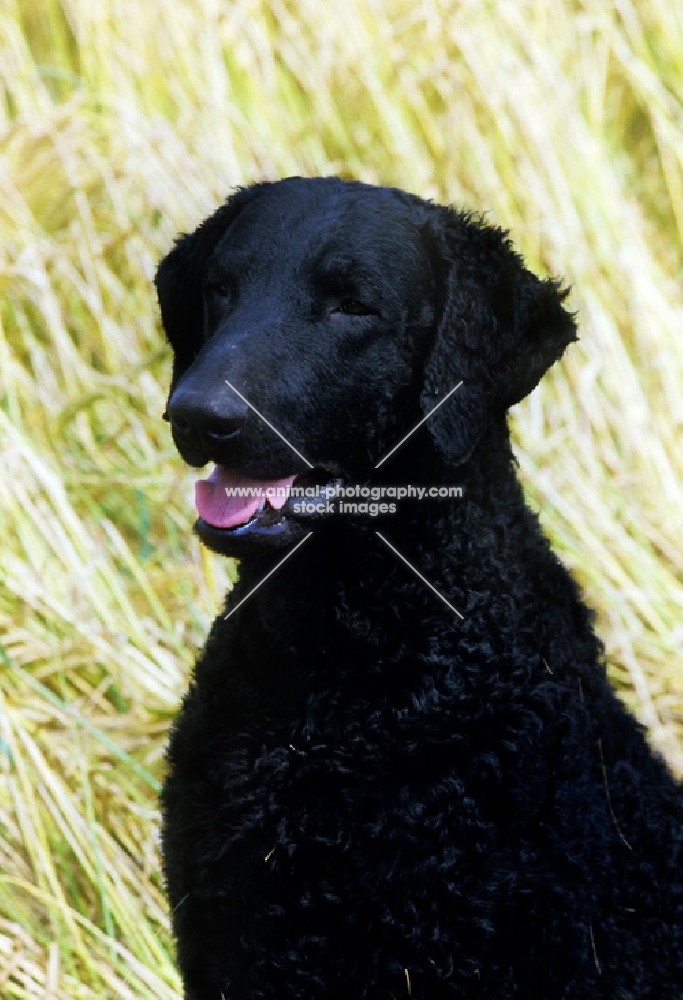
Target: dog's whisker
268	424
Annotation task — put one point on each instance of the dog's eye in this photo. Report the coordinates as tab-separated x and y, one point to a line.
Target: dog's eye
220	288
352	307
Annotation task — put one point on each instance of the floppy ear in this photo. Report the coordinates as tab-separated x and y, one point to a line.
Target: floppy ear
499	328
179	281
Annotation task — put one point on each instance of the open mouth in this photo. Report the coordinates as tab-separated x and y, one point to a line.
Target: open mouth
237	505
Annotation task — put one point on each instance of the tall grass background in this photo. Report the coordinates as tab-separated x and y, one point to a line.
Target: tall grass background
122	123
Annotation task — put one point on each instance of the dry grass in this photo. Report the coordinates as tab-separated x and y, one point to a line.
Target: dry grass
122	123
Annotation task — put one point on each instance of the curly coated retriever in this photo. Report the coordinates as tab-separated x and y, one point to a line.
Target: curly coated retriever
399	770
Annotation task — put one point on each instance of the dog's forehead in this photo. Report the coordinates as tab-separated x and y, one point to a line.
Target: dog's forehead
308	221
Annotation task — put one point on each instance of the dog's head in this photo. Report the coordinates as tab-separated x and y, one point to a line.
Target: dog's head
313	323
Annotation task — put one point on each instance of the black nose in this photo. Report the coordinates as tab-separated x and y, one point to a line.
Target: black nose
193	424
200	421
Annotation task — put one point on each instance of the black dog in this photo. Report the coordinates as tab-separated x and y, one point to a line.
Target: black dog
370	796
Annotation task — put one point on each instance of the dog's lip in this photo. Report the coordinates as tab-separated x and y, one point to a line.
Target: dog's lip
251	527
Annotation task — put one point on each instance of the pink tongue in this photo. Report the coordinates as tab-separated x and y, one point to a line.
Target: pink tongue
223	511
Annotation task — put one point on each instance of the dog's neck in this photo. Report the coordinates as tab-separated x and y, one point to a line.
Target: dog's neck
346	596
346	572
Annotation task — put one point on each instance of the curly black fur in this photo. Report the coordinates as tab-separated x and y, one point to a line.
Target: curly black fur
368	797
